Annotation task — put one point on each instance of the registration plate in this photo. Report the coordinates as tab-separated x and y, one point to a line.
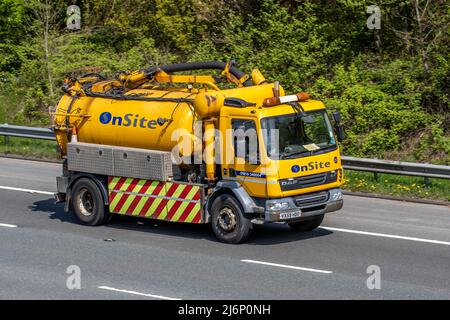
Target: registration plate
290	215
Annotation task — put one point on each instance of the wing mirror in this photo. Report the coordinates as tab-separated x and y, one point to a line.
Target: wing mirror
337	116
337	126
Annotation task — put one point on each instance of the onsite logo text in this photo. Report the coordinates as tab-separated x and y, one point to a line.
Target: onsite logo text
128	120
313	165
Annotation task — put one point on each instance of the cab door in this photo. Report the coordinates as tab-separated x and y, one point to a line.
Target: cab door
243	160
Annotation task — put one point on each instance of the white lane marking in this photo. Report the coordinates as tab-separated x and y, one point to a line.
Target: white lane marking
8	225
286	266
138	293
26	190
393	236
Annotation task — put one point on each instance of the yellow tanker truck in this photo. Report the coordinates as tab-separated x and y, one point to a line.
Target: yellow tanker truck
170	143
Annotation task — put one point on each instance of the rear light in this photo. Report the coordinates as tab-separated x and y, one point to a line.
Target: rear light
273	101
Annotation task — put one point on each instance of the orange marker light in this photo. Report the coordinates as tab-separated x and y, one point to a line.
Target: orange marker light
273	101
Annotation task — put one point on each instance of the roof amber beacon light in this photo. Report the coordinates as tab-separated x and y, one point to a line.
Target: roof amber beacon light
273	101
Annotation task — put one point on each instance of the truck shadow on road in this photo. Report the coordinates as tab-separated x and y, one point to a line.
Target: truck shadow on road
56	210
269	234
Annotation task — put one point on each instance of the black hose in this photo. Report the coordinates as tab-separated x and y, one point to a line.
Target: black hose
177	67
136	97
69	108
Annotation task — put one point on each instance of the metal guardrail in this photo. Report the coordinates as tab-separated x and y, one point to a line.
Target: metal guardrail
396	167
375	166
26	132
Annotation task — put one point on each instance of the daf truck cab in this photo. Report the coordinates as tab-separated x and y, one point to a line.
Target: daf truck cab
293	176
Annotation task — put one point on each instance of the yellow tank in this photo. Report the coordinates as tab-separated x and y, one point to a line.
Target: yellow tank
145	124
132	112
128	123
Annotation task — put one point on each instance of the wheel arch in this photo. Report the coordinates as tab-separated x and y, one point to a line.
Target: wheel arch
236	190
100	181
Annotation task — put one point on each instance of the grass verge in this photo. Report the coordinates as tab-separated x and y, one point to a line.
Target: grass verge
396	185
30	148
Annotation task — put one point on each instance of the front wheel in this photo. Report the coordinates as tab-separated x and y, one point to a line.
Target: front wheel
307	225
228	221
87	203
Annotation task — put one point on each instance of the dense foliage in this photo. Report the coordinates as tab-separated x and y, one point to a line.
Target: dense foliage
391	84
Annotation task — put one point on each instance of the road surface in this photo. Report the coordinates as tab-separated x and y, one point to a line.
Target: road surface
408	243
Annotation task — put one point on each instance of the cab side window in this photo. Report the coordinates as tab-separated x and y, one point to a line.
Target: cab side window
245	140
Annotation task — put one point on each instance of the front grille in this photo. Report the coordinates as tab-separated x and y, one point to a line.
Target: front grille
308	181
312	199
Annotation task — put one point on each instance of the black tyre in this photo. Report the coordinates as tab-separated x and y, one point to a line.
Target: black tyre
308	225
228	221
87	203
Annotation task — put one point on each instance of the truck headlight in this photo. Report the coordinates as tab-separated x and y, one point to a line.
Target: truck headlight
336	196
278	205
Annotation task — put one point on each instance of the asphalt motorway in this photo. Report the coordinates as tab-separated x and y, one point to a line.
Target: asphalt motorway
406	246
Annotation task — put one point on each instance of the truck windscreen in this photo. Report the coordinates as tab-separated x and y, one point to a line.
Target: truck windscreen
298	135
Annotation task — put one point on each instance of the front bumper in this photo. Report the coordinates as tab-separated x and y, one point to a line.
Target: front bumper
332	202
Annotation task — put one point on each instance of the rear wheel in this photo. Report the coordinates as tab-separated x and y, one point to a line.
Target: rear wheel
87	203
228	221
307	225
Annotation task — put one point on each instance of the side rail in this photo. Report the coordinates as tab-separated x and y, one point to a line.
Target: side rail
7	130
397	167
